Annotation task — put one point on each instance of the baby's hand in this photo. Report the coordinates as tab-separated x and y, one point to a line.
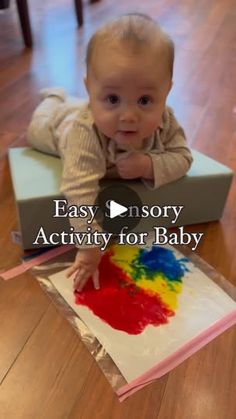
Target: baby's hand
134	166
85	266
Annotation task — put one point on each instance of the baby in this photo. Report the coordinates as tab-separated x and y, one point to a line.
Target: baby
125	129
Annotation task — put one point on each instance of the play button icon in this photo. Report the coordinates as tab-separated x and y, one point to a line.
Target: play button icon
118	207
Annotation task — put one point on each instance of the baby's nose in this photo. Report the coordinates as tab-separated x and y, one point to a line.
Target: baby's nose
129	115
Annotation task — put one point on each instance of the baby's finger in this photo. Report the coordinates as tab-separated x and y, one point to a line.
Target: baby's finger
95	278
79	278
123	156
78	286
70	271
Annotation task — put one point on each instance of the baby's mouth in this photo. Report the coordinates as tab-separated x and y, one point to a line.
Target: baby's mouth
127	132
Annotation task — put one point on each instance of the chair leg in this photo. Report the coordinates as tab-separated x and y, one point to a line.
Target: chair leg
23	12
79	11
4	4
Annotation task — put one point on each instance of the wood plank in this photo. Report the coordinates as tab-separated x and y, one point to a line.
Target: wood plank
144	404
190	393
49	373
22	305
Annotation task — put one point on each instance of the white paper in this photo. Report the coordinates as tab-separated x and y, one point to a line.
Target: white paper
200	304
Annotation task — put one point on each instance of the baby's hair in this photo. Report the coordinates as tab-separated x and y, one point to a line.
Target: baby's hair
138	30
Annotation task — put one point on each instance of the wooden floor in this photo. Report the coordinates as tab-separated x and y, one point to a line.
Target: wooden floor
45	371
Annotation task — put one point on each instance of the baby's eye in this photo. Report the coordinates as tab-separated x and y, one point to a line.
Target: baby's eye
113	99
144	100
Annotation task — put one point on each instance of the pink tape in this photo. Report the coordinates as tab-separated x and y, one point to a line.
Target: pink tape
179	356
25	266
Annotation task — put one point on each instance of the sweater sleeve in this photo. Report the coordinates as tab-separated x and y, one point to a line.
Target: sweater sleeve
83	166
172	159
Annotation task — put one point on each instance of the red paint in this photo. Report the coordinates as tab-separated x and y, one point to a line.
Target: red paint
122	304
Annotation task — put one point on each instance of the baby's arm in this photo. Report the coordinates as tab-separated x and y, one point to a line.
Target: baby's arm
83	167
167	161
171	158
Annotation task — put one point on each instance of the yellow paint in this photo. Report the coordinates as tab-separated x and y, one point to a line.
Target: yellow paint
166	290
123	256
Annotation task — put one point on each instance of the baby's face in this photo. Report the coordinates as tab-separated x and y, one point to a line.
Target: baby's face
127	94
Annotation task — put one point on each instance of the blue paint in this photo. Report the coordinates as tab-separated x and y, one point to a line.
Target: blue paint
159	260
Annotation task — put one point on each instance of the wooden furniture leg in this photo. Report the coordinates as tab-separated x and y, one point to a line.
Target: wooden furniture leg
79	11
4	4
23	12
